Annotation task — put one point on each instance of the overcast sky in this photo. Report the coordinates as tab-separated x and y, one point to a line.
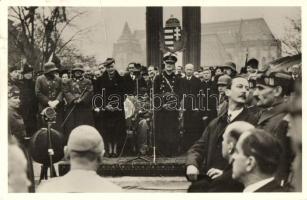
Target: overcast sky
106	24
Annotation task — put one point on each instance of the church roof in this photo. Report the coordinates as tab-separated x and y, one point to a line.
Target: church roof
239	30
126	34
214	51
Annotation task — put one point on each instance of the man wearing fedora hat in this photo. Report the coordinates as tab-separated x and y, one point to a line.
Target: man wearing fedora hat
48	89
167	86
78	92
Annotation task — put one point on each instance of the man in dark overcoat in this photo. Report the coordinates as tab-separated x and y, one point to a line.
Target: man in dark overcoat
28	101
109	103
209	100
167	102
192	121
206	153
134	82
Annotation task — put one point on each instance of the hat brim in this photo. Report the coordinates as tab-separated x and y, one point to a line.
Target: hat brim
107	63
77	69
228	67
51	70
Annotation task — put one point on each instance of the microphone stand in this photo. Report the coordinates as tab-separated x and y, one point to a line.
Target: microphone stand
153	121
50	150
137	99
44	168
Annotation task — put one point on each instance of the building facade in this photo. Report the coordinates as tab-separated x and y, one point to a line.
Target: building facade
220	42
236	40
130	47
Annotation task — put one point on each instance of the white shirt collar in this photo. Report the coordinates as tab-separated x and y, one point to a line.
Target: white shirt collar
255	186
234	114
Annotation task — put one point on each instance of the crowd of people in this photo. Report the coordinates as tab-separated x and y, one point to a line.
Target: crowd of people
233	127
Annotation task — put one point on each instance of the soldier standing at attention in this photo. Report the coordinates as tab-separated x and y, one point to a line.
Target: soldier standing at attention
48	89
166	87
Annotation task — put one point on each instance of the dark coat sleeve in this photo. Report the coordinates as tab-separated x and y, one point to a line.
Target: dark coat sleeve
198	152
287	155
88	91
43	99
60	95
67	92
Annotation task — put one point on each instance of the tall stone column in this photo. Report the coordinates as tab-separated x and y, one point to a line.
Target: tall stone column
154	24
191	23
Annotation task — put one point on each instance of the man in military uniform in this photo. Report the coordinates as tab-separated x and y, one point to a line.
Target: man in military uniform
13	79
166	87
78	94
229	68
48	89
16	128
272	86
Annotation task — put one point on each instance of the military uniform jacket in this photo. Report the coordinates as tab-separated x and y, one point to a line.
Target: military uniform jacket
47	89
206	153
74	88
16	125
272	121
165	84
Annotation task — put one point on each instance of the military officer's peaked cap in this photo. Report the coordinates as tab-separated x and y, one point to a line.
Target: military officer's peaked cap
85	138
277	72
170	59
77	67
108	62
50	67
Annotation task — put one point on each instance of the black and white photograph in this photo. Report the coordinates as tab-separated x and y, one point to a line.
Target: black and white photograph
153	99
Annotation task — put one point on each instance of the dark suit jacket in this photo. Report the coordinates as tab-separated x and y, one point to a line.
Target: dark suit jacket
131	85
190	87
206	153
223	183
273	186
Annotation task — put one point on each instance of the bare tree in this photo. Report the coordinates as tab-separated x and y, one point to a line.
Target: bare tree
39	31
292	42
